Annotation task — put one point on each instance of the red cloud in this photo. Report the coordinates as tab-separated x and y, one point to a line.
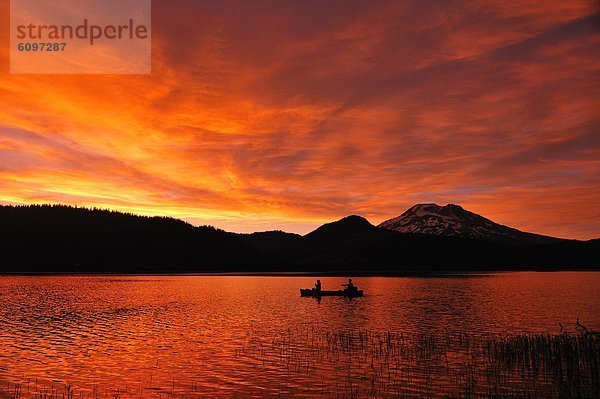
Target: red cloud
295	114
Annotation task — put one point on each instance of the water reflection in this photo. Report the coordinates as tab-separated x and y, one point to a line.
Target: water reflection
245	336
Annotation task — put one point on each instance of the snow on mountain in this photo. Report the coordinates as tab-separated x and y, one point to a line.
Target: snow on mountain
453	220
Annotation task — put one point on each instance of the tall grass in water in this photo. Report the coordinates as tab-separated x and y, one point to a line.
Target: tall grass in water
570	362
34	389
462	365
367	364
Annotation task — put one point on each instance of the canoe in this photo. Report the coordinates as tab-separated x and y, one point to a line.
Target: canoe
346	293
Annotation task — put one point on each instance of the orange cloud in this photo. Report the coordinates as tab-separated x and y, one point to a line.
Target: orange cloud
289	114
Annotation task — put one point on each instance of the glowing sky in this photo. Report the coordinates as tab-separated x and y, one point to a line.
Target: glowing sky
286	114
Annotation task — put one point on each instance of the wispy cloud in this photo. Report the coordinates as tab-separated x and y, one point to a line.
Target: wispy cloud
288	114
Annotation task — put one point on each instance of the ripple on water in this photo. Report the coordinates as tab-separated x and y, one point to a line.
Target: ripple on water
254	337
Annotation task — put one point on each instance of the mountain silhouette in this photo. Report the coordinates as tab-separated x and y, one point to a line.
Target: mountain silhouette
51	239
453	220
67	239
352	225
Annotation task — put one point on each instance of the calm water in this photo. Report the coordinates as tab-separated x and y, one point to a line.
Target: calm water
196	336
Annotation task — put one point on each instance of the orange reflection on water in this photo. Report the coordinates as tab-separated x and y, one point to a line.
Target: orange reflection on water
254	336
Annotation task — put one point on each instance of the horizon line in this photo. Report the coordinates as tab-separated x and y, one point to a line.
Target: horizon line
318	224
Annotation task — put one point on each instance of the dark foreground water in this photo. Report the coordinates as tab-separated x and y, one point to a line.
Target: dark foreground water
239	337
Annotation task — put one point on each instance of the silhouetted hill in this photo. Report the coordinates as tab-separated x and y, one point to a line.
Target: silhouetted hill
352	225
340	244
352	243
453	220
67	239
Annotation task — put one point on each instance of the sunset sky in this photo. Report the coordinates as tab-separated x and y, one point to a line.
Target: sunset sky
263	115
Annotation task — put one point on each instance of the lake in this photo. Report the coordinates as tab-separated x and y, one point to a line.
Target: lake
124	337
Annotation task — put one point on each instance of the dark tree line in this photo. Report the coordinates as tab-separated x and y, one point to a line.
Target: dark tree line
45	238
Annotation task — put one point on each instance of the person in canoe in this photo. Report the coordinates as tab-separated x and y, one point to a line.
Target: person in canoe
318	286
349	287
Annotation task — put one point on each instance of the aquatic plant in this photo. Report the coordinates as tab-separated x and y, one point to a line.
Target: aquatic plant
372	364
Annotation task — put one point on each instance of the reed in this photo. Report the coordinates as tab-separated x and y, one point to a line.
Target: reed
370	364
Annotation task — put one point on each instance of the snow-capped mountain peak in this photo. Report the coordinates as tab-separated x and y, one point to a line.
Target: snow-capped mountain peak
453	220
